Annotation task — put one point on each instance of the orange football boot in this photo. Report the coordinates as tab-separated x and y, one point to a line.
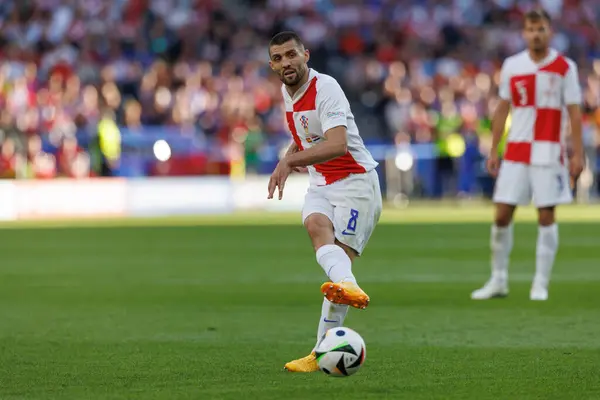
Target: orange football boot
345	293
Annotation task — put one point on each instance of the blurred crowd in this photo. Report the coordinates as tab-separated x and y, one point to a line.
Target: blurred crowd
414	70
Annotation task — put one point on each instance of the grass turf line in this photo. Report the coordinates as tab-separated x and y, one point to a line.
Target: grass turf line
414	214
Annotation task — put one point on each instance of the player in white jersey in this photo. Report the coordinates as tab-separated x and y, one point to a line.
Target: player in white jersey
343	202
541	87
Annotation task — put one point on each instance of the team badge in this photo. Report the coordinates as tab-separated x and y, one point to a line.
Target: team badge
304	122
309	137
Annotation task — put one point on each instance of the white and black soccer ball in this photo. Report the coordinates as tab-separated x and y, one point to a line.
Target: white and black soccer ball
341	352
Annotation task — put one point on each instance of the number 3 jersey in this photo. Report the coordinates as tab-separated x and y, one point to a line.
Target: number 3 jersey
315	108
539	94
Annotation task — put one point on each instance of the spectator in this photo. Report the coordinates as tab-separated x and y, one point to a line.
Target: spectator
72	161
106	147
9	159
40	165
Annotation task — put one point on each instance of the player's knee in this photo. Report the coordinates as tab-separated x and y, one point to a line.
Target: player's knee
504	214
315	223
320	230
546	216
503	219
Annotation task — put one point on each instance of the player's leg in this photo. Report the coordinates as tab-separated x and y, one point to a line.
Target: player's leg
550	187
545	253
357	211
501	242
512	188
335	257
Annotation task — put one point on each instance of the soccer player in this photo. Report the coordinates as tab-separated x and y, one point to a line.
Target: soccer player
541	87
343	201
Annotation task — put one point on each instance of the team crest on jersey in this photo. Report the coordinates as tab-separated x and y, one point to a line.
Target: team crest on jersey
310	138
304	122
552	86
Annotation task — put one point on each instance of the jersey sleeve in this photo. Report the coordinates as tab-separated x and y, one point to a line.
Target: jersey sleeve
572	89
504	85
332	106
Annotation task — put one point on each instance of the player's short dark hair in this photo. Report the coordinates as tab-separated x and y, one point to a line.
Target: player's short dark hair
536	15
284	37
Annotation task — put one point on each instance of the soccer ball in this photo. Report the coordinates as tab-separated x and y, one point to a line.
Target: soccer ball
341	352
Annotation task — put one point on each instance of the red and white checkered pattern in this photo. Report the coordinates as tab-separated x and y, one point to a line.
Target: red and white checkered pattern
539	94
318	106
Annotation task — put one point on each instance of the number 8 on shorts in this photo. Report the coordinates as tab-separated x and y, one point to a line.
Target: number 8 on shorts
351	228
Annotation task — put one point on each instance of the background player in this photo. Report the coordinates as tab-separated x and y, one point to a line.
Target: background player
542	88
343	202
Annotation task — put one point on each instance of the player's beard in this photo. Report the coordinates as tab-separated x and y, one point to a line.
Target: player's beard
295	78
538	45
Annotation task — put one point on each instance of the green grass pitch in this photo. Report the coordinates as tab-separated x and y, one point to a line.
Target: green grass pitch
212	307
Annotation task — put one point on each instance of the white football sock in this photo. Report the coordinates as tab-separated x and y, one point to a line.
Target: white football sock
336	263
547	246
501	244
332	316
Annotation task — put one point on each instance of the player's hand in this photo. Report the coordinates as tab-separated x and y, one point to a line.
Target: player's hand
278	178
493	164
576	167
302	170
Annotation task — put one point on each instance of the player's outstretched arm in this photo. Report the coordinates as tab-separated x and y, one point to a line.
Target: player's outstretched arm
335	145
498	124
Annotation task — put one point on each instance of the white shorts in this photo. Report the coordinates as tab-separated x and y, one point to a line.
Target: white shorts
519	184
352	204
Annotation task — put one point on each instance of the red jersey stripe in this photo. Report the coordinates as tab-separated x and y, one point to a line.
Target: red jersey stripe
289	116
558	66
308	101
339	168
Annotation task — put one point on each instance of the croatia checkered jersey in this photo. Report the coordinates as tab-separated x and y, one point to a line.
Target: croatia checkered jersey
538	94
315	108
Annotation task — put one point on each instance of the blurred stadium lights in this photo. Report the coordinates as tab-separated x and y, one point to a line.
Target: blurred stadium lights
404	160
162	150
456	145
399	173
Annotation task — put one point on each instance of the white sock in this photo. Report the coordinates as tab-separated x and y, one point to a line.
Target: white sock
501	244
332	316
547	246
336	263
